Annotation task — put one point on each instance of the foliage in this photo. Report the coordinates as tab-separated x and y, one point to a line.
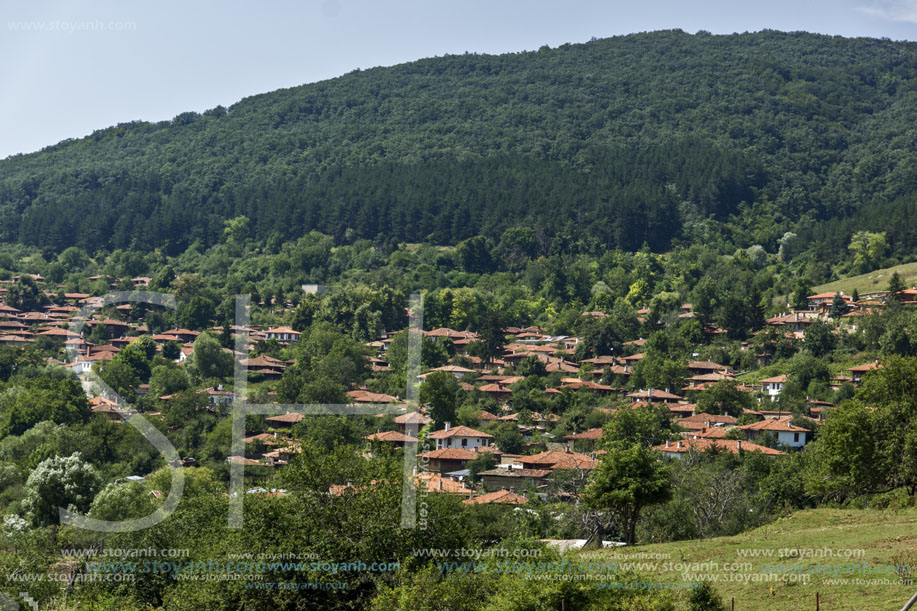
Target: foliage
627	479
59	483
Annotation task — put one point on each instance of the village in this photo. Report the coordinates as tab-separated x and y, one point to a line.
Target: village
463	458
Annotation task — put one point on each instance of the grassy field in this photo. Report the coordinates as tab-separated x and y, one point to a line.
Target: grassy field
822	537
873	281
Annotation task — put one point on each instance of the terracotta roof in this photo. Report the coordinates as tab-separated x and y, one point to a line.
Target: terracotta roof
452	454
559	460
291	418
453	369
774	380
502	497
826	296
284	330
653	393
601	360
708	365
590	434
728	445
866	367
413	418
494	388
459	431
364	396
436	483
522	473
712	418
779	424
392	437
716	432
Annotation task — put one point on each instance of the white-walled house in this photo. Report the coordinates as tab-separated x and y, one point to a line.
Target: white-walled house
460	437
772	387
788	435
283	335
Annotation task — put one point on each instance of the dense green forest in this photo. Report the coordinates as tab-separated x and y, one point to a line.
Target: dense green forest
647	138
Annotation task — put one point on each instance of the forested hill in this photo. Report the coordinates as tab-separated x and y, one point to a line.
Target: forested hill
627	140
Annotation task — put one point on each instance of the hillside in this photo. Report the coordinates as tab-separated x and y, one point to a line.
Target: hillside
628	140
870	538
873	281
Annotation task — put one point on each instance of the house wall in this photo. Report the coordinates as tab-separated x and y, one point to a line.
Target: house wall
456	442
789	439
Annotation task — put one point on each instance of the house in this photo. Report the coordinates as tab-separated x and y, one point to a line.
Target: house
857	373
516	480
772	387
412	420
183	335
444	333
702	381
677	449
391	437
486	417
284	421
282	335
219	397
501	394
704	367
795	322
364	396
460	437
555	459
448	460
706	421
824	300
788	435
653	395
586	438
437	483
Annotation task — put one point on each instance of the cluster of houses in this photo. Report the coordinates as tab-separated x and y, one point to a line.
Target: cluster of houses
549	463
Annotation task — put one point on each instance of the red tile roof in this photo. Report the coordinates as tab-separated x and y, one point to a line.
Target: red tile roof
728	445
502	497
459	431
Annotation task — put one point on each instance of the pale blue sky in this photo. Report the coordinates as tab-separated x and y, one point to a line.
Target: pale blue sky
69	67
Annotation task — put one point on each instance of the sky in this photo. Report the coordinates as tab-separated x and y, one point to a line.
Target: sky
70	67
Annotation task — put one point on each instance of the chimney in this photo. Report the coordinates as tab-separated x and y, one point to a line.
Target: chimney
739	445
678	445
440	483
448	426
667	443
649	393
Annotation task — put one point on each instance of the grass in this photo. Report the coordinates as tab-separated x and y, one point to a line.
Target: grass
883	537
871	282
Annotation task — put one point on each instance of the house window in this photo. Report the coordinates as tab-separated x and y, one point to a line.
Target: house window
464	442
795	437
